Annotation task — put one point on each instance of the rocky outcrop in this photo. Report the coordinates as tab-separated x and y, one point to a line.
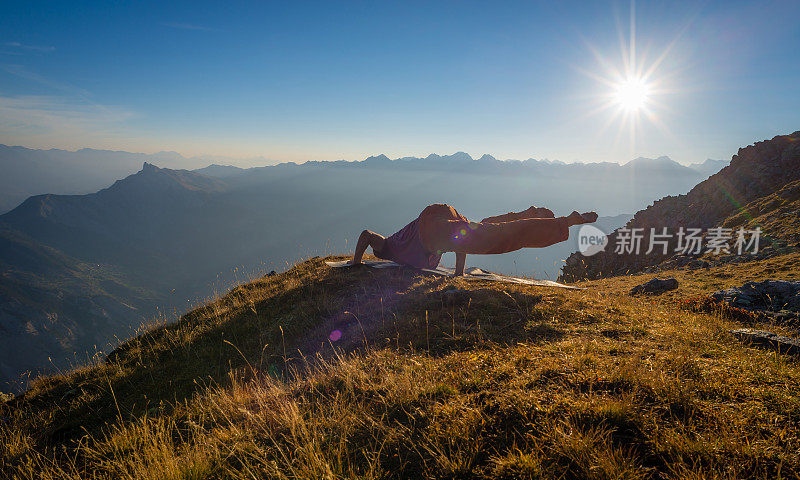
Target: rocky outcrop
755	171
777	299
656	285
762	338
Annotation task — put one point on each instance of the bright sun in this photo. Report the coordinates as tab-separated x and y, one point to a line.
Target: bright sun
632	93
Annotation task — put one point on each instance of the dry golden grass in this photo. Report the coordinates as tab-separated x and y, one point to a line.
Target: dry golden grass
776	214
503	381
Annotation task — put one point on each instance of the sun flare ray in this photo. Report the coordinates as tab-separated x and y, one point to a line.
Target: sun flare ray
632	88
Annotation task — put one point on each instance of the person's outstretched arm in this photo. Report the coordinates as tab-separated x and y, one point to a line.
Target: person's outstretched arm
366	239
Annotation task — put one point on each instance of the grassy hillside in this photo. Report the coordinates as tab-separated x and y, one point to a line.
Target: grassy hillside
777	214
54	308
436	378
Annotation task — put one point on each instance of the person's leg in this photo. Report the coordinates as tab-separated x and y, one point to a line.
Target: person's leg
493	238
532	212
367	239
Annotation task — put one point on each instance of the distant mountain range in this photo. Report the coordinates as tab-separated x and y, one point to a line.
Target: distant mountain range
463	163
28	172
78	271
710	166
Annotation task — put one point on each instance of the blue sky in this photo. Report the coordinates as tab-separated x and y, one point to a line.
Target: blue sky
324	81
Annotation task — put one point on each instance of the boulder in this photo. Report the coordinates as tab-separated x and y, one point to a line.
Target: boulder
770	295
656	285
763	338
695	264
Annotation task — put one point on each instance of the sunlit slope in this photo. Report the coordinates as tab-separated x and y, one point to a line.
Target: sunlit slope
448	378
758	189
777	214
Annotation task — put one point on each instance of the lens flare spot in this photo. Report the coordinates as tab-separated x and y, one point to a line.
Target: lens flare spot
335	336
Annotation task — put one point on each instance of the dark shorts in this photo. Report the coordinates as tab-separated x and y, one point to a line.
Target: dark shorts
405	247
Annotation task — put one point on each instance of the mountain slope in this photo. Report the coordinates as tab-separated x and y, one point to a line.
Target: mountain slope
777	214
80	272
138	223
55	310
460	379
29	171
739	191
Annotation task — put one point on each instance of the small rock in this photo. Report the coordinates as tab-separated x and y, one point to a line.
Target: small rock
656	285
455	295
763	338
695	264
726	258
683	260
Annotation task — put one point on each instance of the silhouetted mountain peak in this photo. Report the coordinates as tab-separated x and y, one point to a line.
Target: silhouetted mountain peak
152	178
461	156
382	158
149	168
454	158
662	165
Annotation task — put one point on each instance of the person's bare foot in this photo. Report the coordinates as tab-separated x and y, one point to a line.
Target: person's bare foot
576	218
